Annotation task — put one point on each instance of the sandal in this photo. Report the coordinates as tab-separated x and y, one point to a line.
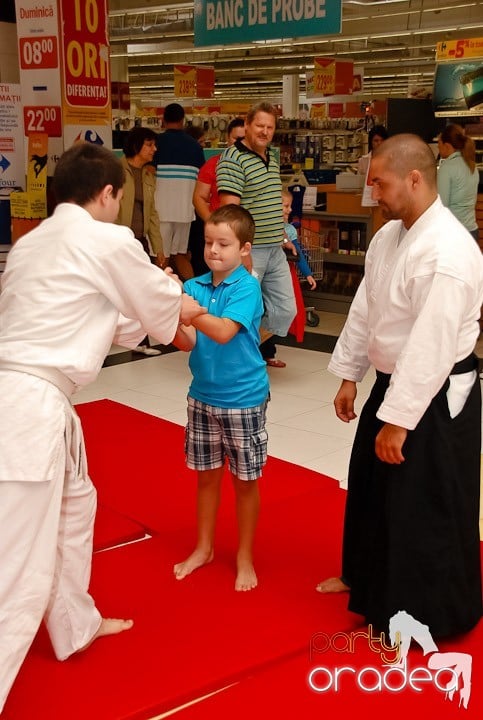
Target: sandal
273	362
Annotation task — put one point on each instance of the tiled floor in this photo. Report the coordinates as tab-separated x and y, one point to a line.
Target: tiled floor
302	424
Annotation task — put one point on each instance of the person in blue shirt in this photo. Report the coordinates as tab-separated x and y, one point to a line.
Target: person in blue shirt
228	395
458	176
295	254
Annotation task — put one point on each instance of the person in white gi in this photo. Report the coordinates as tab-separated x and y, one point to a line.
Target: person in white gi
71	287
411	530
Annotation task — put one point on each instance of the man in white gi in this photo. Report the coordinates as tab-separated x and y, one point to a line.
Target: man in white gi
411	535
71	287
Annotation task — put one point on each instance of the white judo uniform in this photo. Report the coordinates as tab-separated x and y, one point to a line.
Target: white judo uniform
71	287
411	536
415	314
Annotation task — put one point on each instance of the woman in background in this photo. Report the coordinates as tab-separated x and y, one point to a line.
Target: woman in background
137	210
458	176
377	135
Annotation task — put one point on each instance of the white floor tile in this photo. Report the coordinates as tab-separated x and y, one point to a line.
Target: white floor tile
301	421
300	446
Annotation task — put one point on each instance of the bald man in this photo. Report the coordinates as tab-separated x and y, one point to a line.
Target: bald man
411	536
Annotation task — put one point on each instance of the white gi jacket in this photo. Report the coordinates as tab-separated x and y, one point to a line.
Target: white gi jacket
73	286
415	313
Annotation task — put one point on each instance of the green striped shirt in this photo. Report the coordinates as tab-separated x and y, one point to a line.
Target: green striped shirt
257	183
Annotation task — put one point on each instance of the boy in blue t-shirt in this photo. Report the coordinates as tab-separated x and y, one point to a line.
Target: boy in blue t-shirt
228	395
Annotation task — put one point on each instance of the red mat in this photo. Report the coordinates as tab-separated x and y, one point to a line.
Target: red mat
111	528
160	495
194	635
197	635
283	689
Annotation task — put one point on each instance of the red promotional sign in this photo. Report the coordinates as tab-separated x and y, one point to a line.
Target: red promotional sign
86	53
38	53
333	77
205	82
43	119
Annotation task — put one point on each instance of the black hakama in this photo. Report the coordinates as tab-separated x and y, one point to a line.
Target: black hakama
411	533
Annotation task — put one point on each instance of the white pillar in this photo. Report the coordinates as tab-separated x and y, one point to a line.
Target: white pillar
119	69
290	96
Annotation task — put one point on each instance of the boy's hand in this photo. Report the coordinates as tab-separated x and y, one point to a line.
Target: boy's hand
288	245
190	308
312	283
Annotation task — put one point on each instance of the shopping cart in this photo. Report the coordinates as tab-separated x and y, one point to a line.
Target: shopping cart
310	244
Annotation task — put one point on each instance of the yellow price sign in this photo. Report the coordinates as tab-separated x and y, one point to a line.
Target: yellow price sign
324	76
184	81
459	49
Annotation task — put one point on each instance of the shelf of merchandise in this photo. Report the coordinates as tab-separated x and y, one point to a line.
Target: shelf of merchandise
321	146
342	272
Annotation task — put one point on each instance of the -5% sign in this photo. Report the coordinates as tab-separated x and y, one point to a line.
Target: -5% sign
38	53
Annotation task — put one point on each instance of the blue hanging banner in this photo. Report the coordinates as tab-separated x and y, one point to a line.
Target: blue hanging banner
227	22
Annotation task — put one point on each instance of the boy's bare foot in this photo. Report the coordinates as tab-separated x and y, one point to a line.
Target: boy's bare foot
197	559
332	585
109	626
246	578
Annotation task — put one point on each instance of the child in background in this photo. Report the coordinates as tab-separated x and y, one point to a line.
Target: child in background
291	237
228	395
295	255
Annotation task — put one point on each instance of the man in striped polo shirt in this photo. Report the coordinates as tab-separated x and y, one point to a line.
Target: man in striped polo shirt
249	175
178	159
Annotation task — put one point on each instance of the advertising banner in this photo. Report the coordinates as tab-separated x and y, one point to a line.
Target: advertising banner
12	157
333	77
40	78
28	208
459	49
233	21
184	81
86	97
458	88
205	81
458	80
194	81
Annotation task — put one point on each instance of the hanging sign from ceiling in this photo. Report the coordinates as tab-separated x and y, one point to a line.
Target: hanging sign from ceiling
228	22
194	81
458	49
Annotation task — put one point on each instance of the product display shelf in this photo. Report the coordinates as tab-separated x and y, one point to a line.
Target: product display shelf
318	147
344	239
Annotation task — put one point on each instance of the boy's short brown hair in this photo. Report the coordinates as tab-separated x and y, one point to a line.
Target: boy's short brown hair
238	219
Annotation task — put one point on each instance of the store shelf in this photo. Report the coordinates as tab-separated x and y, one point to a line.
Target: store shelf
342	272
342	259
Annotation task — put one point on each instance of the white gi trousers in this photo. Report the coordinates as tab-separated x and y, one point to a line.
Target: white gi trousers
46	524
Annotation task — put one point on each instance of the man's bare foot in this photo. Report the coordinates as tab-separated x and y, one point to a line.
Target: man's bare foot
197	559
332	585
246	578
109	626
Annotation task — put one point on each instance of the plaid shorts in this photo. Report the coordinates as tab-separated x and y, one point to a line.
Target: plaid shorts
214	433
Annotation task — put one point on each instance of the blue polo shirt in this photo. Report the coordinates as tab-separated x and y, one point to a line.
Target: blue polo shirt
234	374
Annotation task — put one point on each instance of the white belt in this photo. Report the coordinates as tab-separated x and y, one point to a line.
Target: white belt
57	378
